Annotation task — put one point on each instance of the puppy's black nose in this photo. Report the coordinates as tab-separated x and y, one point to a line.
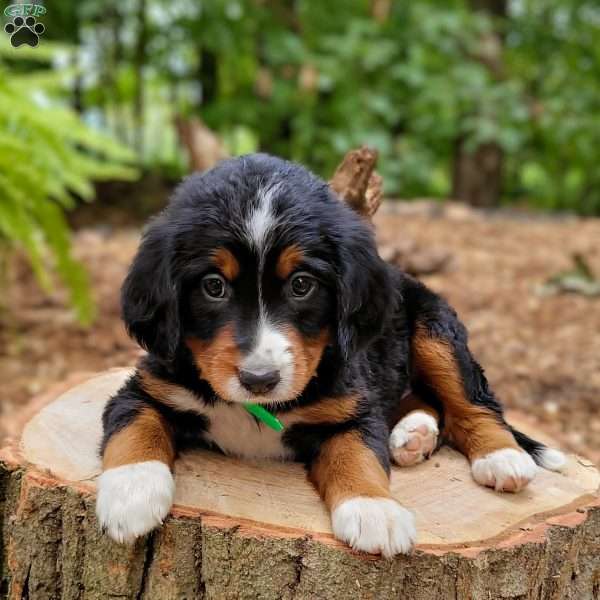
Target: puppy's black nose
259	382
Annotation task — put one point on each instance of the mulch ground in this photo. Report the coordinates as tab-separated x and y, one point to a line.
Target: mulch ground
541	353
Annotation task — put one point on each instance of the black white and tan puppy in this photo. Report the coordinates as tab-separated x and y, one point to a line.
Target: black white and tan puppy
257	284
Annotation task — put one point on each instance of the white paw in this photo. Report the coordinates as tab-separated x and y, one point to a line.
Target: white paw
375	525
413	438
506	470
134	499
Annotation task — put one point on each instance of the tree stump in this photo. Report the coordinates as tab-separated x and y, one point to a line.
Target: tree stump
258	530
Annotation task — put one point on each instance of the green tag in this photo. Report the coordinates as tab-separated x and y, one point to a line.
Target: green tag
264	415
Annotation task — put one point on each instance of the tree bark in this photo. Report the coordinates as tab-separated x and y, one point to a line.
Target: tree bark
203	146
496	8
356	182
112	55
138	63
52	547
477	174
77	89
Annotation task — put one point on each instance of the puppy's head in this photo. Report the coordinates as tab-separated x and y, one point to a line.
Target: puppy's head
255	268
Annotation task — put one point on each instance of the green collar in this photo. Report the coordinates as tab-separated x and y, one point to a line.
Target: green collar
264	415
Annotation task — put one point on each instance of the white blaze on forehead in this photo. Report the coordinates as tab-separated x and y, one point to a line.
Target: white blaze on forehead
272	350
262	219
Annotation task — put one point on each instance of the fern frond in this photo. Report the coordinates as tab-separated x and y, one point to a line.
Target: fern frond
47	154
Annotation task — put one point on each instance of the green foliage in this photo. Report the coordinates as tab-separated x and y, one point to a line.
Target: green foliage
47	154
309	80
554	48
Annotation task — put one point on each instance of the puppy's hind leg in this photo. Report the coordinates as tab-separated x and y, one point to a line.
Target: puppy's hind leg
474	423
415	431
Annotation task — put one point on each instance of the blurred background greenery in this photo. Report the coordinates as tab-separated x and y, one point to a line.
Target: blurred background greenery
491	103
486	101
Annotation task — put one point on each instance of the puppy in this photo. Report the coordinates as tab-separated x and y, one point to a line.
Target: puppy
257	284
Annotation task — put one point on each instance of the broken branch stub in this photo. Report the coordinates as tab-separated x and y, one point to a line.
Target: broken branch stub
356	182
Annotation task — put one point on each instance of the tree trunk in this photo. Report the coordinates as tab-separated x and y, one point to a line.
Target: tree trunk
477	174
139	62
259	530
203	146
496	8
208	75
112	55
77	89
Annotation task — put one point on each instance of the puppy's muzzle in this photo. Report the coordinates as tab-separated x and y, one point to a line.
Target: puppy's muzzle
259	382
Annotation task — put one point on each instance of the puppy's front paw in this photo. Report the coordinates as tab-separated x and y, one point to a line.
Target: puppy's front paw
506	470
374	525
134	499
413	439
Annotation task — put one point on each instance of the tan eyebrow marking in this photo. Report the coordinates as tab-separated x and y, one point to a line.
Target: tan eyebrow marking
227	263
288	260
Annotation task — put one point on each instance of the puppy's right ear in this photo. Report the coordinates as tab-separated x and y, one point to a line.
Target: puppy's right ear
149	297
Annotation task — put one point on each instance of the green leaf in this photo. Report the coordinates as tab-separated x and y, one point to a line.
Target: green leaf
47	154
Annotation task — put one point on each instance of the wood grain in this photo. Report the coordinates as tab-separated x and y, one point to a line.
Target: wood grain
450	508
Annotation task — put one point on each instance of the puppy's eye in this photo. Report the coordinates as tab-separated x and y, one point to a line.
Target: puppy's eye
302	285
214	287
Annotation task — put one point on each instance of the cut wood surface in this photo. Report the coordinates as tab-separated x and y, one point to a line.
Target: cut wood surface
250	530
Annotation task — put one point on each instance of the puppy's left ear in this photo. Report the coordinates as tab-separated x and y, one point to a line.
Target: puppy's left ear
365	294
149	297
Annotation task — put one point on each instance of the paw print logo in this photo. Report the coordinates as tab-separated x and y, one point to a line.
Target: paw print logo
24	31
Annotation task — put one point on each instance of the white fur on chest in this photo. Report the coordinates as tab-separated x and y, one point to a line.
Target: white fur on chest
234	430
237	432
